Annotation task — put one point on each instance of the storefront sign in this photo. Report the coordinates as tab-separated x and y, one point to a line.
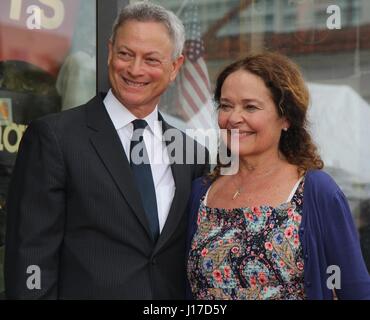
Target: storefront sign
37	31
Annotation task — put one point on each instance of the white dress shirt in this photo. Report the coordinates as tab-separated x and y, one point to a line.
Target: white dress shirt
157	152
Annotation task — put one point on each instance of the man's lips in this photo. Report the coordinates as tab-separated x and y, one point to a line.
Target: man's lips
134	84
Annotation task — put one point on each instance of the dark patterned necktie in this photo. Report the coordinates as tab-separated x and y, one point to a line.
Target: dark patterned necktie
143	175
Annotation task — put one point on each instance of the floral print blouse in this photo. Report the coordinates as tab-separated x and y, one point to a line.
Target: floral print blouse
248	253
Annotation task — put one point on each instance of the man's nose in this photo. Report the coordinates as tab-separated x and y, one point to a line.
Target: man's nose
136	67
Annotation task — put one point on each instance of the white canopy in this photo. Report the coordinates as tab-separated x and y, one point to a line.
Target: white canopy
340	125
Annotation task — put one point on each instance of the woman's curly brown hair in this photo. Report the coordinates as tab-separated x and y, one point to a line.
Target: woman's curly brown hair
289	92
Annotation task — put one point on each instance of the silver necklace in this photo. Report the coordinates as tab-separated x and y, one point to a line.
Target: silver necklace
238	191
236	194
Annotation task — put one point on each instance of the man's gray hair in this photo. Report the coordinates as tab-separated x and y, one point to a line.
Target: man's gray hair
149	12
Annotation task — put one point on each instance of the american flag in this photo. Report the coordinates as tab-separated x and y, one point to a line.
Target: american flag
194	99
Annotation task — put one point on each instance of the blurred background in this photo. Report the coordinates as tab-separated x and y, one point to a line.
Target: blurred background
63	64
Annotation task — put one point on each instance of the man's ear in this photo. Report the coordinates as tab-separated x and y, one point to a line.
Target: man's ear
110	51
176	65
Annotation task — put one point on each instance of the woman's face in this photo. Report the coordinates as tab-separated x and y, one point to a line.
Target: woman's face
246	104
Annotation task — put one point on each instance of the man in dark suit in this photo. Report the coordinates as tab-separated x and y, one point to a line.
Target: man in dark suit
85	218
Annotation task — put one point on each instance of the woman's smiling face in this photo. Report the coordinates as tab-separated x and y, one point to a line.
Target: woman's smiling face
246	104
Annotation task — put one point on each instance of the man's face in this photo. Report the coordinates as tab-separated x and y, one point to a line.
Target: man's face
141	66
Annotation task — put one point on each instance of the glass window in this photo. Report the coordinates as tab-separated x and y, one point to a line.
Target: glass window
333	51
47	64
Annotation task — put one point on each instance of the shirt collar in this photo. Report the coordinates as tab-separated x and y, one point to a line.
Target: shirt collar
122	117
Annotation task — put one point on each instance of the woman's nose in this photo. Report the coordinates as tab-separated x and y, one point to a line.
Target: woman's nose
236	117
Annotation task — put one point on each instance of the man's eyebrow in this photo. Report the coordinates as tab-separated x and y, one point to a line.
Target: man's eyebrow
124	47
146	54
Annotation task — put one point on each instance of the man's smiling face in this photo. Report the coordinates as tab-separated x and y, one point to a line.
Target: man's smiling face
141	65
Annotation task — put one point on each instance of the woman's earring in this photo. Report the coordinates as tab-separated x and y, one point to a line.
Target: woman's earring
285	129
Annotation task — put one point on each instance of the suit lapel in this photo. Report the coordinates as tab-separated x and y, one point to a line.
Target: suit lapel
181	173
107	144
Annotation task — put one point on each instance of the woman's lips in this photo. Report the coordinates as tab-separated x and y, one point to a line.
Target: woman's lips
241	134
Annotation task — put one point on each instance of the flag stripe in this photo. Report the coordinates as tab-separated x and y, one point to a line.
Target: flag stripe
195	86
199	76
190	101
201	67
194	94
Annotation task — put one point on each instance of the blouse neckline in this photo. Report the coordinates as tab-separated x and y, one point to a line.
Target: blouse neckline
284	205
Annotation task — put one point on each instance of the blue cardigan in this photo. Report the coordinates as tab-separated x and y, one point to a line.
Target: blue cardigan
327	233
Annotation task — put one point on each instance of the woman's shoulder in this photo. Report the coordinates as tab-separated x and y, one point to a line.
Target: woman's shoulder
198	189
200	184
320	181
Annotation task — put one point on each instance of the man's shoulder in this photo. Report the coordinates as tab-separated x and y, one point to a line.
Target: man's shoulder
67	119
65	115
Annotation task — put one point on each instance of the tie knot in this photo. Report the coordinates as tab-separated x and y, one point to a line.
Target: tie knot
139	124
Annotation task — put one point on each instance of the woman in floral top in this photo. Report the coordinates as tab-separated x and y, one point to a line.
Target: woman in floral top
246	231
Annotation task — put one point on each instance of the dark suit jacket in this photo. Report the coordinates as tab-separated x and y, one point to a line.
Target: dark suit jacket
74	211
